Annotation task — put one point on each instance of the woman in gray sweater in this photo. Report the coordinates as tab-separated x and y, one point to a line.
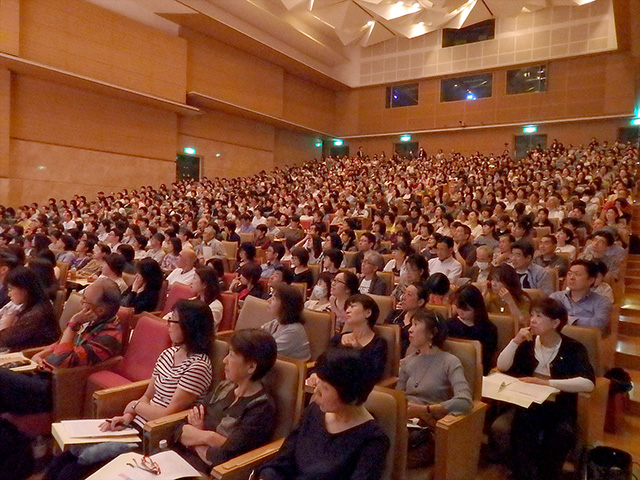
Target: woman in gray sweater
434	382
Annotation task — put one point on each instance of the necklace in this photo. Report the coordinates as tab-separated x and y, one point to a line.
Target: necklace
424	375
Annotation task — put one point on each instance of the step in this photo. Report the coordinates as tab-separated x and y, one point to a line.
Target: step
627	438
630	324
634	394
628	352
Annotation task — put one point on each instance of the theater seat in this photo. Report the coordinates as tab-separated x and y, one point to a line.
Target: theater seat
177	292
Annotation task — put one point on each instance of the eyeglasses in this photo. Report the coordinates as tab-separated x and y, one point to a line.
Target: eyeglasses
146	464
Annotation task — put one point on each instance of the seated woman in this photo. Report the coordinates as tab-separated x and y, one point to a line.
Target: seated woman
247	283
319	300
181	377
28	320
434	382
417	272
45	271
337	437
300	266
362	314
413	299
542	435
239	415
506	296
206	284
471	321
286	306
113	270
94	267
246	255
173	248
144	293
344	285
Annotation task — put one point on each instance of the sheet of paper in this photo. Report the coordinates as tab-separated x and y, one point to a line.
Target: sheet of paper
64	441
172	466
207	252
91	428
14	357
505	388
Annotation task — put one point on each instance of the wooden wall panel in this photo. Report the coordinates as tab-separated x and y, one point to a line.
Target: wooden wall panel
52	113
83	38
493	140
293	148
5	128
40	171
223	72
308	104
10	26
347	112
580	87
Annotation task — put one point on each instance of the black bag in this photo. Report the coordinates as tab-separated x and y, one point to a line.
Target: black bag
16	457
606	463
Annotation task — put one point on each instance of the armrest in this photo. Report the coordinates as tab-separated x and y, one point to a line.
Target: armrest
224	334
160	429
458	439
239	468
592	409
111	401
388	382
69	387
30	352
310	364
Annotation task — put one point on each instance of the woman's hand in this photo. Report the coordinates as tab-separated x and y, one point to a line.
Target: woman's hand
201	450
196	417
535	380
505	295
523	335
190	436
116	423
416	411
138	283
312	381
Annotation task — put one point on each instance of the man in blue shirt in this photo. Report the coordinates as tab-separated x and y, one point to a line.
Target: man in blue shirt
585	307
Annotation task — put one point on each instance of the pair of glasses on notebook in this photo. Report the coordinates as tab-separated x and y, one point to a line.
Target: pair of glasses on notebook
146	464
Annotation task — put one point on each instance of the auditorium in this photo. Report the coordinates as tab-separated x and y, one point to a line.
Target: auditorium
319	239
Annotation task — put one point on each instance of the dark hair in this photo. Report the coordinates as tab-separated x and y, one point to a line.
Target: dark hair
470	297
69	242
278	249
127	252
433	323
607	235
211	281
327	278
351	282
142	241
27	280
302	254
335	240
370	237
446	240
151	273
345	369
251	271
404	248
41	242
422	290
116	263
525	246
8	259
287	273
257	346
507	275
291	303
176	244
196	322
44	270
601	267
551	309
592	270
367	303
336	256
418	262
438	284
249	249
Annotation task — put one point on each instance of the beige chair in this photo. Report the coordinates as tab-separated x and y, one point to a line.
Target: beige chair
112	401
63	267
534	293
58	304
609	342
556	278
349	258
230	249
71	307
591	406
302	287
391	335
315	269
253	314
319	327
247	237
507	329
386	304
542	231
443	310
388	279
285	381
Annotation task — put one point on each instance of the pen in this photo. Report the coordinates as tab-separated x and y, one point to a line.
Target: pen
502	386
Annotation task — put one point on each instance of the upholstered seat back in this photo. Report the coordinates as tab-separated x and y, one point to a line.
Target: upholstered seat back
254	313
319	328
391	335
149	339
285	381
229	302
386	304
177	292
507	329
468	351
591	338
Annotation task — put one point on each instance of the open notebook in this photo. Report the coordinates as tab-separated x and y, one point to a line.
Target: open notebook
505	388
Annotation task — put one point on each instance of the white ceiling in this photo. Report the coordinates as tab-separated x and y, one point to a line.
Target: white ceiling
326	35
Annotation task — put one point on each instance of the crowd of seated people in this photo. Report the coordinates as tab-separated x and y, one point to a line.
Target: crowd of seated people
470	235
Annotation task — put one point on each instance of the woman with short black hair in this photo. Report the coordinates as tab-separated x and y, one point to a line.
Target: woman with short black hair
286	305
144	293
337	437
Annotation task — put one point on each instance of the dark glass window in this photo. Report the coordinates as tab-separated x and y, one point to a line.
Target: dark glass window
527	79
478	32
469	87
402	95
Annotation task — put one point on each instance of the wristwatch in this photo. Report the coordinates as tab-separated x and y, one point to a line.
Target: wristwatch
135	405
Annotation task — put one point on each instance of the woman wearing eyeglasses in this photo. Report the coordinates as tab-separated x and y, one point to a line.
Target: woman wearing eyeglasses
181	377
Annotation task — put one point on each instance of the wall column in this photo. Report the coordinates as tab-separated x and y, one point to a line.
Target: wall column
5	141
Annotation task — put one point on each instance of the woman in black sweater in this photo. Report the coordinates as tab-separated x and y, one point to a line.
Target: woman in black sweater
144	293
337	438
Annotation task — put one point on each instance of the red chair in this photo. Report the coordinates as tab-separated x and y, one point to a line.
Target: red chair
229	277
230	310
176	293
149	339
306	224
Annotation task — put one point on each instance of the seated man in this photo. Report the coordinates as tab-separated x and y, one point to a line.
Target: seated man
502	253
92	335
366	243
531	275
547	258
184	272
370	283
586	308
444	262
274	254
464	251
602	247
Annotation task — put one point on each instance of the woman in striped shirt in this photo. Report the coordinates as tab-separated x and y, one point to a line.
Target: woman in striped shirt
181	377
